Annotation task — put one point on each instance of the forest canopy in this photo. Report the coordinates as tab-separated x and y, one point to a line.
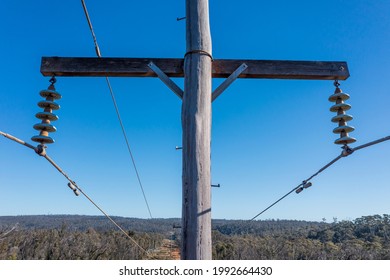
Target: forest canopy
71	237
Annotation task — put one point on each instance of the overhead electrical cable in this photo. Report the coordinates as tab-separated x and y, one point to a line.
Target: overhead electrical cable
346	152
372	143
98	53
75	185
90	199
6	135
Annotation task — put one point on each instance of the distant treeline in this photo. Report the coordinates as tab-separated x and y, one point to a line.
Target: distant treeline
93	237
61	244
83	223
366	238
162	226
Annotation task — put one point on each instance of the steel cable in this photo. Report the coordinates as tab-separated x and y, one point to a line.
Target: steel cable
346	152
98	53
74	183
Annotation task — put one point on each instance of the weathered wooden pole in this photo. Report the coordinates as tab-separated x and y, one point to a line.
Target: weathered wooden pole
196	109
196	122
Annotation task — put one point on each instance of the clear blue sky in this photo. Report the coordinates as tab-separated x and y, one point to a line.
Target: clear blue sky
267	135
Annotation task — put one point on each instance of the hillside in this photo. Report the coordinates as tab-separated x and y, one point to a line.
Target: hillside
93	237
162	226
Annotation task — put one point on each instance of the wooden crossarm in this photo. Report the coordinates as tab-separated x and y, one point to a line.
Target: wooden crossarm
173	67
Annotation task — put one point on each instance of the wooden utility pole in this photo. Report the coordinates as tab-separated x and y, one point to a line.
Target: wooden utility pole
196	122
198	69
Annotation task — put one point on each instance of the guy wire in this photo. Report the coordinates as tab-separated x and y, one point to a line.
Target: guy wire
17	140
98	53
325	167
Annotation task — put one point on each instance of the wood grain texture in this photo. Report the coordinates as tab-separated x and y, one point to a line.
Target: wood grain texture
174	67
196	123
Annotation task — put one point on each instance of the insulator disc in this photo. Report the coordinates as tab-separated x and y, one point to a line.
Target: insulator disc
50	93
340	117
42	139
342	106
48	104
45	126
345	140
345	128
46	116
341	95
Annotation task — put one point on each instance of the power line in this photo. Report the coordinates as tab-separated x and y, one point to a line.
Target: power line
6	135
297	187
372	143
98	53
90	199
42	152
346	152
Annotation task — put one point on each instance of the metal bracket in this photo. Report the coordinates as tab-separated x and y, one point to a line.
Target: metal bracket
166	80
346	151
41	150
229	80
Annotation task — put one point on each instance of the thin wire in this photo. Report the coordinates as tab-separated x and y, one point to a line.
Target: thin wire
98	53
6	135
276	202
91	28
301	184
17	140
90	199
323	168
371	143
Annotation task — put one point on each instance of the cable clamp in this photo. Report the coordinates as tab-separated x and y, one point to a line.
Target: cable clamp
73	188
346	151
40	150
53	80
200	52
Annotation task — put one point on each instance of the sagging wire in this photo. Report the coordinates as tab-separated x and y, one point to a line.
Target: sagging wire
40	150
306	184
98	53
